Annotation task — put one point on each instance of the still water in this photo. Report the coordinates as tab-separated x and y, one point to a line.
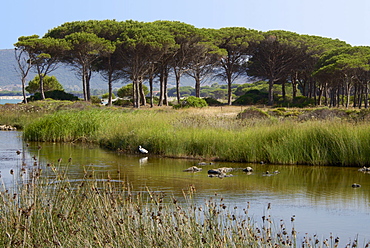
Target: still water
7	100
321	198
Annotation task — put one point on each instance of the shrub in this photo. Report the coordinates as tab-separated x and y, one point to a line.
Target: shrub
212	102
252	113
95	99
192	101
106	96
252	97
122	102
55	94
50	83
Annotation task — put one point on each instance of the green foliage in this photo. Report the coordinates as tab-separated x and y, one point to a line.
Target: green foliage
50	83
252	97
122	102
229	53
55	94
127	90
212	102
95	100
185	91
106	95
10	93
252	113
254	137
298	102
65	126
192	101
95	211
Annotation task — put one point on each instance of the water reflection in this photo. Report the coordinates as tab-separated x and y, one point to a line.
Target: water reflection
321	198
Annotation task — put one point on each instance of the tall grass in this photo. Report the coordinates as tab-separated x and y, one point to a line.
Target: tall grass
211	136
49	210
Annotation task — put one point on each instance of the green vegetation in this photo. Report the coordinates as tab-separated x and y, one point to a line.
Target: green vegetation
106	95
192	101
127	91
10	93
20	115
52	211
99	212
50	83
325	71
54	94
281	136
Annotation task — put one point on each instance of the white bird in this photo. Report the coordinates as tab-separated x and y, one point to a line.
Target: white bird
143	150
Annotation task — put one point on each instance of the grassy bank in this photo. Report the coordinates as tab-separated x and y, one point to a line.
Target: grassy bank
212	133
52	211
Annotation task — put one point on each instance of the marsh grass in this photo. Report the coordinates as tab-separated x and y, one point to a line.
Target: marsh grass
218	136
46	209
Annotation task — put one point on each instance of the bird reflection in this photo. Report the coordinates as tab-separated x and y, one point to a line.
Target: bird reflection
143	160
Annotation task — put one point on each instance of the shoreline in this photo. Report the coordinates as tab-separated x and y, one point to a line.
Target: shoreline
12	97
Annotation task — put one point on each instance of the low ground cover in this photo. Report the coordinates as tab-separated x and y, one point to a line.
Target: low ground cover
46	209
281	136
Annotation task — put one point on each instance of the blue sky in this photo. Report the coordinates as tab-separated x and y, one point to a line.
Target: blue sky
346	20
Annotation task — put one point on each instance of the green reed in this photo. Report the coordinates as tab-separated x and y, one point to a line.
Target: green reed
191	134
46	209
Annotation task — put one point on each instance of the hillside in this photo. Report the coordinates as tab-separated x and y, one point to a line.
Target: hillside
10	80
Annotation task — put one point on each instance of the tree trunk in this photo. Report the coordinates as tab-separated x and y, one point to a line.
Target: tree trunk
366	100
326	94
110	91
197	87
42	86
24	89
165	88
271	92
142	93
319	97
84	72
178	77
151	79
355	97
161	88
294	86
229	92
88	93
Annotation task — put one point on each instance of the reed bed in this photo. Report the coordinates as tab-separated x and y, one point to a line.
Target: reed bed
46	209
209	135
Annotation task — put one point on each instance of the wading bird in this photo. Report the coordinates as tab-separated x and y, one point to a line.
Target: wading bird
143	150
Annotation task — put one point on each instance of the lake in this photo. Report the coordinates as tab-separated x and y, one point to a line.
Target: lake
321	197
4	100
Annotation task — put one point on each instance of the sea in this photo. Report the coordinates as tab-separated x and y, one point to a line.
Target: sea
10	99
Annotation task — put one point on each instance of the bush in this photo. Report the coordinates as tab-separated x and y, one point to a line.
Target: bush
252	97
252	113
55	94
297	102
122	102
192	101
50	83
212	102
95	99
106	96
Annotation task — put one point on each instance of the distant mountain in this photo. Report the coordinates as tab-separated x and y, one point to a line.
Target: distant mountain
10	80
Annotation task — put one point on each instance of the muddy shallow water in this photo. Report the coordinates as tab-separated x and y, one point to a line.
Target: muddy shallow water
321	198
